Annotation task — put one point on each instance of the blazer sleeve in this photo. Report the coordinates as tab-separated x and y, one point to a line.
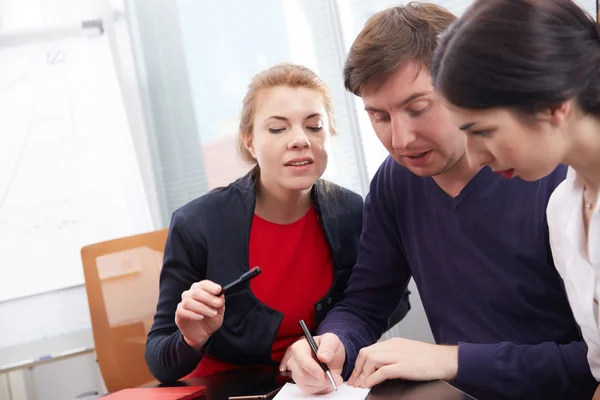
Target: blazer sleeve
168	356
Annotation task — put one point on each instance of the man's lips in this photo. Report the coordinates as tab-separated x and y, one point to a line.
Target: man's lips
416	154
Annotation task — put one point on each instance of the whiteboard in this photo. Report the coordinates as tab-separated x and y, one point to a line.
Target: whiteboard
68	171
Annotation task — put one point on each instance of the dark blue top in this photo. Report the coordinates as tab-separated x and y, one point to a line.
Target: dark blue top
484	270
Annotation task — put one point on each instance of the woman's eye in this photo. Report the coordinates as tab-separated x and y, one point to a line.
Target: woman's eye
315	128
276	130
482	133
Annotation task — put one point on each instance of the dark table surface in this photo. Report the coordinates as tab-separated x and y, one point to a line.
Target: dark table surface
262	381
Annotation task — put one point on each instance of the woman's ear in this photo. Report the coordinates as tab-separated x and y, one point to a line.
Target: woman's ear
558	114
249	142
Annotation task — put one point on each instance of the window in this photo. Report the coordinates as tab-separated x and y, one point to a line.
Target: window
197	58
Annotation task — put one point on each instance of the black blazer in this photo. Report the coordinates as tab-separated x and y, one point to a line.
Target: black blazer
209	239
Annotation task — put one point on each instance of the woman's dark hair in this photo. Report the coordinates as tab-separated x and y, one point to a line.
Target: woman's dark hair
526	55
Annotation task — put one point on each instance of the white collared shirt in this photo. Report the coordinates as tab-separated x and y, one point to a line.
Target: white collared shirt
577	259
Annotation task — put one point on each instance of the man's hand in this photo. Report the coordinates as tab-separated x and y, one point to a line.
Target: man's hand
405	359
306	372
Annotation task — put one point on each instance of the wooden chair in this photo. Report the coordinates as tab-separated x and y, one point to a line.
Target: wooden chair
121	280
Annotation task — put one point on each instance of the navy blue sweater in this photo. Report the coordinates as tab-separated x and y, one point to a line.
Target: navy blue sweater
484	270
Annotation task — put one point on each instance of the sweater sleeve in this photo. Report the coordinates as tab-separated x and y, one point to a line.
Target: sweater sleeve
167	354
546	370
377	283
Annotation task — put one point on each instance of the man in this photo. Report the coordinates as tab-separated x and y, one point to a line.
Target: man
475	243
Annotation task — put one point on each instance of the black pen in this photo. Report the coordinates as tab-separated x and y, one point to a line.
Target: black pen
253	273
313	346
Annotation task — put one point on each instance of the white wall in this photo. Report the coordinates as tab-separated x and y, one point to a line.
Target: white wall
50	313
415	325
43	316
58	314
67	379
66	310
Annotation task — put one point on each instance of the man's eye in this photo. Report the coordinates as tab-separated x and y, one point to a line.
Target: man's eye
381	117
419	108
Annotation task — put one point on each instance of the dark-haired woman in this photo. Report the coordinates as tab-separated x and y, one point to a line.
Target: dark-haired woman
522	79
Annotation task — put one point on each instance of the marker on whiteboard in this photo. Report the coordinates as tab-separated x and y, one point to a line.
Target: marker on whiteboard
45	357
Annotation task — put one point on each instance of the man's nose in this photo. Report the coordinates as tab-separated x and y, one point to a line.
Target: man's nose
402	134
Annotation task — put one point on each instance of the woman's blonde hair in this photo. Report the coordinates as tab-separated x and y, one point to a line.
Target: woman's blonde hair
279	75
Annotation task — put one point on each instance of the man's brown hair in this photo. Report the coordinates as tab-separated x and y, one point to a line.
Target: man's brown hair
393	37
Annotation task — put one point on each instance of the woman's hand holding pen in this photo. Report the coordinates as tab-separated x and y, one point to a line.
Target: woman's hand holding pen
200	312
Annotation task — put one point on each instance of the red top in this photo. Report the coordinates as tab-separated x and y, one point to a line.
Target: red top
296	273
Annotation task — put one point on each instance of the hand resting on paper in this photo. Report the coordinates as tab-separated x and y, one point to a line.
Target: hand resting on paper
200	312
404	359
306	372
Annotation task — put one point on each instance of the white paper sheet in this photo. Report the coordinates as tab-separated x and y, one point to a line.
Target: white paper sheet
345	392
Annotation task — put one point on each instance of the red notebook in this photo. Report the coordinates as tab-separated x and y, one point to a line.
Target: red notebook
159	393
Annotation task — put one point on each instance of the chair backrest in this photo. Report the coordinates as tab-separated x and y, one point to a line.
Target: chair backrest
121	280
